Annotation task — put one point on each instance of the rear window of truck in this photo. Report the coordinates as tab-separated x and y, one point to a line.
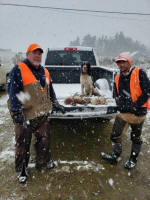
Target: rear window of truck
69	58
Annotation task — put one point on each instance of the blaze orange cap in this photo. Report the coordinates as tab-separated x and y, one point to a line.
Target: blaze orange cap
33	47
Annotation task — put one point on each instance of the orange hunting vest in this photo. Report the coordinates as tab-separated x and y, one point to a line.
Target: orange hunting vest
27	75
135	88
38	102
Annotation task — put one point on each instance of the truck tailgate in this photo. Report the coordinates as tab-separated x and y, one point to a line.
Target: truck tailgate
81	111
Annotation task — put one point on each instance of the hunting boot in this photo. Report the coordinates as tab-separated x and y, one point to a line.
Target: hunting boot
131	162
22	176
133	157
50	164
112	158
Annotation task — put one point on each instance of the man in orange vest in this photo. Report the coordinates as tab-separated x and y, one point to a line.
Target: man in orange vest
131	92
31	98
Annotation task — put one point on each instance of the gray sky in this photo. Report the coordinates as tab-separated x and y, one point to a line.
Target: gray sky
21	26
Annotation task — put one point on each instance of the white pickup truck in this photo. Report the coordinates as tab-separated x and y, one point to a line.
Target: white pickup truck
64	67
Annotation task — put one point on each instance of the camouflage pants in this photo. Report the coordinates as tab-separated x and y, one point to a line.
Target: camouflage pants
122	122
41	129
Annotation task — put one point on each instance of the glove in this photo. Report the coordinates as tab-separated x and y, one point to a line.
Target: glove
125	104
122	107
58	107
18	118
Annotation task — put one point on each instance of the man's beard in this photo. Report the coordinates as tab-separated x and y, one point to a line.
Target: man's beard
36	63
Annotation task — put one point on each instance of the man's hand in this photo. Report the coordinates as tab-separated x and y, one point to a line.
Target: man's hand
134	108
57	107
18	118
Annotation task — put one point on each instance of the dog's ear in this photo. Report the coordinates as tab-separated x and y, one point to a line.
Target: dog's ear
83	63
88	68
81	68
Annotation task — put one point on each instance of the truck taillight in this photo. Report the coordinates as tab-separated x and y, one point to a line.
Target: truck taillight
70	49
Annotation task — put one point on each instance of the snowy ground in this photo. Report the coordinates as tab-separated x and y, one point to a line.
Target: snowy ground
80	174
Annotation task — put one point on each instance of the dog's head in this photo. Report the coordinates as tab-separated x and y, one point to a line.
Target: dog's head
86	68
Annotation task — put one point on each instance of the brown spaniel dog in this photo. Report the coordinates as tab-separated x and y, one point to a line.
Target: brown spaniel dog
87	87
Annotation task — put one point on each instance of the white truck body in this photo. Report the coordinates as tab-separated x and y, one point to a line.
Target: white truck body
66	82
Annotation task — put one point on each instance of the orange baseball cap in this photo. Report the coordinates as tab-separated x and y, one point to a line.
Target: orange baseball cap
33	47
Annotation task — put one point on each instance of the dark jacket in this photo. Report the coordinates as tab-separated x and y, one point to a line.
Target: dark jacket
15	85
123	99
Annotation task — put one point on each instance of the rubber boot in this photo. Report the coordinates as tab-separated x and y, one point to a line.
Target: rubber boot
131	163
22	176
110	158
50	164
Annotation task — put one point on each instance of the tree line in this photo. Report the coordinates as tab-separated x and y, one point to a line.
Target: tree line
110	46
